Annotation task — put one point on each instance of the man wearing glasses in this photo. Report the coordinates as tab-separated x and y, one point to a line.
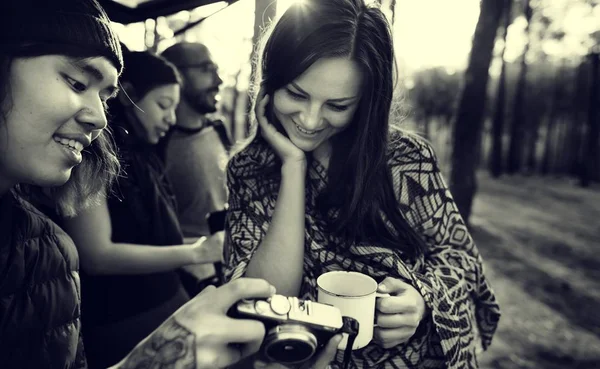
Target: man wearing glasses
196	149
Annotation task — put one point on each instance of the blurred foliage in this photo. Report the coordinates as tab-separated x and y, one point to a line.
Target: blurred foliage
557	88
433	93
558	114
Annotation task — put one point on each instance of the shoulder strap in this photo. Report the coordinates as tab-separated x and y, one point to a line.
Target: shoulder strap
219	126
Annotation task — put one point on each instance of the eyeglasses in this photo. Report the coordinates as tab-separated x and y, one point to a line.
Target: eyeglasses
203	67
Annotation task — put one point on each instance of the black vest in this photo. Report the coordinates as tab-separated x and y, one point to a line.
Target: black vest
39	291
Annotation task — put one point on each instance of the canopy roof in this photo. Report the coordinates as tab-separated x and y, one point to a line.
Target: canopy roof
131	11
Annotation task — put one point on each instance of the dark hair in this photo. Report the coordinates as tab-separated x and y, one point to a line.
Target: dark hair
143	72
360	189
146	71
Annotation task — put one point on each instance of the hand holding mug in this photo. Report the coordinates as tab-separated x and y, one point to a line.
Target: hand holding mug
355	295
399	315
285	149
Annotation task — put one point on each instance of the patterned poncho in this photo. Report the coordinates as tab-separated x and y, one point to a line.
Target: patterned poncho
463	310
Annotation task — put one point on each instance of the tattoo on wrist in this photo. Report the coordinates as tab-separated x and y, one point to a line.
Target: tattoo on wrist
171	346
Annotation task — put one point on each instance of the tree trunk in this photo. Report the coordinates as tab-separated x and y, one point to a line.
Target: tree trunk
425	126
393	12
519	122
575	161
579	111
531	162
559	148
468	122
590	157
547	159
234	107
495	162
264	12
547	163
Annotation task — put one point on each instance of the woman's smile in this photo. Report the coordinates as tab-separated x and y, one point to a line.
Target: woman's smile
72	144
72	149
306	131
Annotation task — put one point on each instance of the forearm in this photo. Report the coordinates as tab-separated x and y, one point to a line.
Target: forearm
280	256
170	346
123	258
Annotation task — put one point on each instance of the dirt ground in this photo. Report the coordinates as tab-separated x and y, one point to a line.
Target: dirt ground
540	240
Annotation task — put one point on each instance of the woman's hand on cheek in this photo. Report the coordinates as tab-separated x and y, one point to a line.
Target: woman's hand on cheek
399	315
285	149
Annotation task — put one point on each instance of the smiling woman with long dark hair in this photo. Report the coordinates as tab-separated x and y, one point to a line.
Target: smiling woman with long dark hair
327	183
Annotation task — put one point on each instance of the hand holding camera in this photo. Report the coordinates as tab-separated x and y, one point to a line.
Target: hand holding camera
296	330
201	334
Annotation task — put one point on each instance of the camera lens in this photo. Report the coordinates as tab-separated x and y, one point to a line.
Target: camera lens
289	344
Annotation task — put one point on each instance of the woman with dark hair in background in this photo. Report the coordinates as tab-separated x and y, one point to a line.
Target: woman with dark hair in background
327	184
59	65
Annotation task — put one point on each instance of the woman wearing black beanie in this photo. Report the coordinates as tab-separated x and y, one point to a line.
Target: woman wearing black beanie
51	133
59	66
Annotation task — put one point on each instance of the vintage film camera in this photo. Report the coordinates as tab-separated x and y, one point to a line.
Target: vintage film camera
296	329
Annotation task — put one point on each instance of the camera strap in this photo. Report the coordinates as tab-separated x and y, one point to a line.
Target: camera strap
350	327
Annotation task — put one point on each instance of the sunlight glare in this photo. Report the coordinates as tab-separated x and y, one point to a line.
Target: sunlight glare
282	6
434	32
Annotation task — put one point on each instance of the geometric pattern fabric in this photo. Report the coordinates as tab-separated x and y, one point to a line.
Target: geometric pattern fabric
463	313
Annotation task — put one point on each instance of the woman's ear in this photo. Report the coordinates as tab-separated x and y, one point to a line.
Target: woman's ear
127	96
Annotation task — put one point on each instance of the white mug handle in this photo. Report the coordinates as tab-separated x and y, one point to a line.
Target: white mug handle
378	295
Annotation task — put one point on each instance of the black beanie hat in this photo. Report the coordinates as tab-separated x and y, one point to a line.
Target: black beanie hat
146	71
69	27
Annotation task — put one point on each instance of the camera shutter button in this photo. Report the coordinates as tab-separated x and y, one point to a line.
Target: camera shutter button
263	307
280	304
